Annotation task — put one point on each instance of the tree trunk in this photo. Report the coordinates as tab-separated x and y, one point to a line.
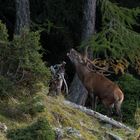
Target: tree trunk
99	116
89	19
78	93
22	15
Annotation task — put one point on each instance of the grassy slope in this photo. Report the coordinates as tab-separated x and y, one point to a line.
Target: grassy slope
63	116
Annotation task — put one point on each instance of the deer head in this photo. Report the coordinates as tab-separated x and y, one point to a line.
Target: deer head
76	57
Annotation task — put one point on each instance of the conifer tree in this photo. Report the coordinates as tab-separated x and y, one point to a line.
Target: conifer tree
117	39
78	93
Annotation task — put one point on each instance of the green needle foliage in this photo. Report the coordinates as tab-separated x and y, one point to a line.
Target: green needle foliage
20	61
27	47
131	105
116	38
40	130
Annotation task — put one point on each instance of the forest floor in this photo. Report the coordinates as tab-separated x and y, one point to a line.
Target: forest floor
70	124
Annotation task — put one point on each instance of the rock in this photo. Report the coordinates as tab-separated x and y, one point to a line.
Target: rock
73	131
3	127
59	133
66	130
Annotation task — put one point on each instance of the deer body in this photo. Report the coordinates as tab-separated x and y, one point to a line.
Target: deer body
97	84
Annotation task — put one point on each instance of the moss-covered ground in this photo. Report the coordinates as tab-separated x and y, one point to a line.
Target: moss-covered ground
59	116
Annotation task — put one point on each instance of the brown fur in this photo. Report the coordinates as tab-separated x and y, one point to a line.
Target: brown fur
97	85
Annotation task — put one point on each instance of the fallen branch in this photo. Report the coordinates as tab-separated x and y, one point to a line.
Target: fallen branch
99	116
65	83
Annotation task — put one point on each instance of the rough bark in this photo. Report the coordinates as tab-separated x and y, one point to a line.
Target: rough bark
22	15
89	19
99	116
77	92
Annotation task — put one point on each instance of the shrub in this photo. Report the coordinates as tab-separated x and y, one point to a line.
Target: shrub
3	32
25	61
131	88
137	117
6	87
40	130
32	105
21	63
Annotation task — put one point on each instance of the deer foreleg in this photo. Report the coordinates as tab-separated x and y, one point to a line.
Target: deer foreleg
109	111
93	101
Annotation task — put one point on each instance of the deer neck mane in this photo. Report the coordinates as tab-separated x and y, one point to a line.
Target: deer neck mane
82	70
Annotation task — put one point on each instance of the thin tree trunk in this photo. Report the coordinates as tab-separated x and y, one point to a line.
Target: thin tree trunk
77	93
22	15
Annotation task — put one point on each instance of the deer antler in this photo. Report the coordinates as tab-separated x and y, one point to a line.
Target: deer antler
86	53
101	69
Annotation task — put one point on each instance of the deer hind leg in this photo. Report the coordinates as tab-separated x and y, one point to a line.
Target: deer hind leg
118	110
108	106
110	112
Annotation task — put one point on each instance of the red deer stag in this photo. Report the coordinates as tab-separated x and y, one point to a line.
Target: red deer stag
97	85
